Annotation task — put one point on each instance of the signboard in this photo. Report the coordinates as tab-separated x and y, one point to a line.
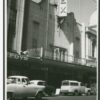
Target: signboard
16	56
62	8
37	1
35	52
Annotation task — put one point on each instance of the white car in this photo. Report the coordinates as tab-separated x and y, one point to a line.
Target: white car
73	87
19	87
39	83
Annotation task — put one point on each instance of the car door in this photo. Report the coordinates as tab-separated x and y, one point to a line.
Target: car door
31	89
82	88
40	86
20	89
25	88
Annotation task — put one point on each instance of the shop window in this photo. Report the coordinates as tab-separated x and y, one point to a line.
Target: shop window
60	54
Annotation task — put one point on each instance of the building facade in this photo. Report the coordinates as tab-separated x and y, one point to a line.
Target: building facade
40	42
15	12
91	39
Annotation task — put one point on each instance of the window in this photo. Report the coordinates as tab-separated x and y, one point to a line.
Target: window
12	80
76	54
63	1
50	15
34	43
77	39
42	83
82	84
35	34
18	80
77	48
31	82
65	83
23	80
93	47
11	29
73	84
60	53
13	4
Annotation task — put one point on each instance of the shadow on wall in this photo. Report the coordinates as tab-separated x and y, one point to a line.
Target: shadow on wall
72	31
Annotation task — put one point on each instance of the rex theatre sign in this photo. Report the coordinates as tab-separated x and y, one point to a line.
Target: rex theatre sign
62	8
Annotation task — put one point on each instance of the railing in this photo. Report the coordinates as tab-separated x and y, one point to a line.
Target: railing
70	59
39	53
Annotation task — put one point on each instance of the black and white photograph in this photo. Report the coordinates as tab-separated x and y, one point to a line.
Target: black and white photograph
51	49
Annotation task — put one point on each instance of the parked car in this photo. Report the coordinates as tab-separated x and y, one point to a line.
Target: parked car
41	84
87	91
50	90
93	89
19	87
73	87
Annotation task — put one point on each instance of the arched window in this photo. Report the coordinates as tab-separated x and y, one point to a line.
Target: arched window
93	47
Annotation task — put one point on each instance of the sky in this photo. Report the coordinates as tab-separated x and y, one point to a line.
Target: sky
82	9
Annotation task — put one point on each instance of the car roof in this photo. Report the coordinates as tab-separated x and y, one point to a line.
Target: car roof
17	76
70	81
37	81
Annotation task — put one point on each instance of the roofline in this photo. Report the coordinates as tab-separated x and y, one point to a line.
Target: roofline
17	76
79	23
92	26
36	80
71	80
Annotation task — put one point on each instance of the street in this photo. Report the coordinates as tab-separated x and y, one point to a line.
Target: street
69	98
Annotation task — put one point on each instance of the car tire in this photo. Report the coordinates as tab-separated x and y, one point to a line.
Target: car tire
25	98
88	93
76	93
9	96
39	96
62	94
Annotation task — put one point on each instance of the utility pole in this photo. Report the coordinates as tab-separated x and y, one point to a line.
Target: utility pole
47	25
46	39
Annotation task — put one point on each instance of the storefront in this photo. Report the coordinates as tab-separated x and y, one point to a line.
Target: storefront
51	71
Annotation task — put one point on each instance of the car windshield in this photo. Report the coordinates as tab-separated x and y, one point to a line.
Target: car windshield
27	80
73	84
65	83
42	83
11	80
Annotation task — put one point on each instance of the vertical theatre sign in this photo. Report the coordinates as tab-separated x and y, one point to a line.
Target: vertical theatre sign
62	8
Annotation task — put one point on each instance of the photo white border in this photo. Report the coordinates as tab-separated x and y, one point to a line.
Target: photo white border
5	6
1	50
3	9
97	50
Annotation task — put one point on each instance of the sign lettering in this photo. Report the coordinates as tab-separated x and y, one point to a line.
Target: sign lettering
62	8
